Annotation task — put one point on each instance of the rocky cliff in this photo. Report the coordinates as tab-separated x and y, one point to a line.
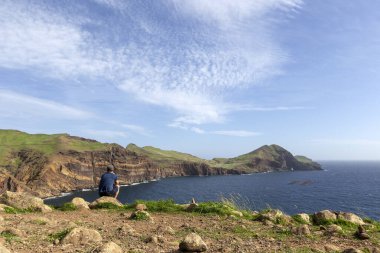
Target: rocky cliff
65	163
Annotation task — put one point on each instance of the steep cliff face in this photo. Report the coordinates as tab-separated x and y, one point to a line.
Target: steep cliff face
70	163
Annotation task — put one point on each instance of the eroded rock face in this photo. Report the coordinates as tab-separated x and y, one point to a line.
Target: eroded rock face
80	203
109	247
323	216
24	201
103	200
193	243
81	235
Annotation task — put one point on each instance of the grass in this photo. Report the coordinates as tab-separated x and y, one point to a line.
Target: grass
167	206
67	207
38	222
218	208
299	220
244	232
59	235
140	216
9	236
15	210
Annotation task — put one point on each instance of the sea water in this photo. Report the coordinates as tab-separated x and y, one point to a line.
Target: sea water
344	186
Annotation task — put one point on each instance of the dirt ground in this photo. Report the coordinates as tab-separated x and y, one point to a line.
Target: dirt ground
39	232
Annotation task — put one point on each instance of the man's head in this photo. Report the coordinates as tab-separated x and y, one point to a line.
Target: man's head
110	168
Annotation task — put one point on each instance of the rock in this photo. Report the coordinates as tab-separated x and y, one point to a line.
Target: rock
109	247
4	250
193	243
165	230
141	207
24	201
361	233
375	250
304	217
331	248
301	230
333	229
191	207
1	218
323	216
81	235
353	218
151	239
80	203
271	215
127	230
103	200
352	250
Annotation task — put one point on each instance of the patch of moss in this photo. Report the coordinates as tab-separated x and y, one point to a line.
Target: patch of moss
67	207
59	235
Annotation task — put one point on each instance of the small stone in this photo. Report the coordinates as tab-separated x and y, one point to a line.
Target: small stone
56	242
151	239
141	207
193	243
301	230
80	203
333	229
109	247
14	231
305	217
82	235
361	233
323	216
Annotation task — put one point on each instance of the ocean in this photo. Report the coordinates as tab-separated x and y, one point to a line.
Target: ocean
342	186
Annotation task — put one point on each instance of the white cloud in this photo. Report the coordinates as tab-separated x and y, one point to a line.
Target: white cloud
236	133
189	70
17	105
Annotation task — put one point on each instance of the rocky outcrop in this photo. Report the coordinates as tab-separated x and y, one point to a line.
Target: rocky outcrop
192	243
81	235
24	201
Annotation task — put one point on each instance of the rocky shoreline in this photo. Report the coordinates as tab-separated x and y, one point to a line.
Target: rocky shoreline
106	225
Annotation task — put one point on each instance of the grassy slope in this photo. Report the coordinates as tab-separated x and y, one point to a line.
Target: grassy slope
13	140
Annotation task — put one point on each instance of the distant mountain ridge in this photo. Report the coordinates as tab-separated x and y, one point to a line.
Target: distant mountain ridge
47	165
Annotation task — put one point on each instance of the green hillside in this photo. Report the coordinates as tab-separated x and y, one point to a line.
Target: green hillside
13	140
160	155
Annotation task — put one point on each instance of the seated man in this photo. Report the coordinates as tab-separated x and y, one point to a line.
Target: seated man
109	185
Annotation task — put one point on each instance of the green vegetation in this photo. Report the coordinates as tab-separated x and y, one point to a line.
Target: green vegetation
15	210
244	232
298	219
59	235
67	207
168	206
110	206
140	215
39	222
13	141
9	236
218	208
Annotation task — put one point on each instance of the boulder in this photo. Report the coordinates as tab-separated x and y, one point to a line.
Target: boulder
353	218
301	230
80	203
323	216
333	229
24	201
4	250
304	217
109	247
192	243
361	233
81	235
103	200
141	207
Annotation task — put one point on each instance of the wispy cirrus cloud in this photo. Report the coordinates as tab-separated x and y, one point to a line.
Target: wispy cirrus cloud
16	105
216	46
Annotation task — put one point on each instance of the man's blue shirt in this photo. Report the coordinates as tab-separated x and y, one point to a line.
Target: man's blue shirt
107	182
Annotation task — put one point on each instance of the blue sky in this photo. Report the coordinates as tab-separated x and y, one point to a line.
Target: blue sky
215	78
